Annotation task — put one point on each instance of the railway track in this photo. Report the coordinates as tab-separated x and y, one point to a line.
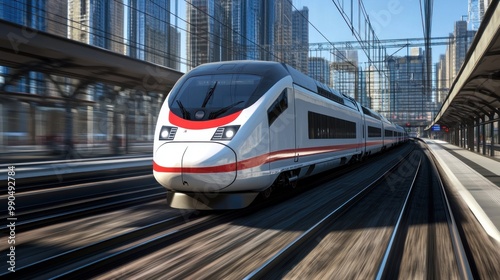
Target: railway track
275	239
78	260
99	254
165	250
49	206
438	205
37	176
393	261
292	249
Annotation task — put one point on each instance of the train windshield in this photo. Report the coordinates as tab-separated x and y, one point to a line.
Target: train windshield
213	96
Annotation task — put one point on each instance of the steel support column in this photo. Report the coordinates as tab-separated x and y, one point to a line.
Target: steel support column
498	129
2	118
463	136
492	135
477	138
470	136
483	133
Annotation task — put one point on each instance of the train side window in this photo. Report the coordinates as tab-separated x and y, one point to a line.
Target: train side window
374	131
327	127
278	107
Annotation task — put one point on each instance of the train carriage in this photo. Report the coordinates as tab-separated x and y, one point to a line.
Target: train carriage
231	130
374	139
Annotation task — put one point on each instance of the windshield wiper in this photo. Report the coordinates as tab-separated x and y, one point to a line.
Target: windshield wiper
185	114
209	94
219	112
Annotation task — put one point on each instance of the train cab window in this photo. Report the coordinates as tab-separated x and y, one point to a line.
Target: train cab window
208	97
278	107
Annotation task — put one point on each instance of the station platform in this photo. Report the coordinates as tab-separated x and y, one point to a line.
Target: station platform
476	178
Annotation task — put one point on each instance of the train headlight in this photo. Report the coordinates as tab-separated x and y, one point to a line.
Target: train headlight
225	132
164	134
229	133
167	132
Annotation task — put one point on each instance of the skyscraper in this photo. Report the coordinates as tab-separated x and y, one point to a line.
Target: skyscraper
149	29
245	21
57	17
247	30
300	39
409	101
461	38
33	14
344	71
374	89
441	82
268	50
97	23
363	97
476	11
47	16
282	26
207	39
319	69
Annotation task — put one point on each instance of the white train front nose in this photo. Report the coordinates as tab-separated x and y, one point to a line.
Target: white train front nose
195	166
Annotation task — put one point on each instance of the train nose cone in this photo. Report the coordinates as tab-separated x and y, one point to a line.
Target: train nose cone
195	167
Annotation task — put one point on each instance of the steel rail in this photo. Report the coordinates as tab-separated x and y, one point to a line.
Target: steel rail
173	236
292	247
382	271
49	263
464	268
26	223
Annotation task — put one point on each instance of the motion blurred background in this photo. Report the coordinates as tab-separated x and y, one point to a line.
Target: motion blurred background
70	104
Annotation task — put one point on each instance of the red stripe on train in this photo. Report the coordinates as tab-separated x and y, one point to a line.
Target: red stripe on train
256	161
231	167
180	122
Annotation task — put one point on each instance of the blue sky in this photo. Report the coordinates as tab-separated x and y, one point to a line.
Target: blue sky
392	19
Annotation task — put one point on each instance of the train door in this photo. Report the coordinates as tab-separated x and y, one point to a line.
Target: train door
282	139
383	136
364	134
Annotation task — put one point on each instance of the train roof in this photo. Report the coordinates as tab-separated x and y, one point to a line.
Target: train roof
261	68
274	71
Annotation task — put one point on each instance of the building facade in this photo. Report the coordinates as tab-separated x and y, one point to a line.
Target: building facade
300	39
319	69
460	41
476	11
410	103
344	71
246	30
441	79
207	37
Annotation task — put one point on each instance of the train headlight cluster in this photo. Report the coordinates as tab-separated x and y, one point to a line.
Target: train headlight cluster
225	132
167	132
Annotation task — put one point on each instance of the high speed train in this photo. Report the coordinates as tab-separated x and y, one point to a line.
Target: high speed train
230	131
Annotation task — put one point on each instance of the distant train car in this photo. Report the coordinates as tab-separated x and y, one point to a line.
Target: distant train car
230	131
413	134
401	134
374	139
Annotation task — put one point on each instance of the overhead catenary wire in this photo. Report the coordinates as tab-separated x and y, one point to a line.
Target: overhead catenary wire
121	39
366	47
337	52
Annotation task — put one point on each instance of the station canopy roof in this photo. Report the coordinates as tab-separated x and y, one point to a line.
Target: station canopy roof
21	47
476	90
